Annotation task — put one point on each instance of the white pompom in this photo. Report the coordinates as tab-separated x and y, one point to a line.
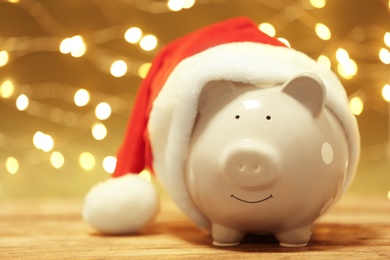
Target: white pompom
121	205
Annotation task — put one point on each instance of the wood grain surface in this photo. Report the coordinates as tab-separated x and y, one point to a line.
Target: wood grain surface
357	228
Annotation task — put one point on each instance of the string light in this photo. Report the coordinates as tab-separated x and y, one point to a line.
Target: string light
57	160
6	89
356	105
386	92
12	165
267	28
133	35
144	69
118	68
43	141
75	46
285	41
81	97
3	58
145	174
175	5
103	111
342	55
99	131
318	3
324	61
87	161
386	39
22	102
109	164
384	55
148	42
323	31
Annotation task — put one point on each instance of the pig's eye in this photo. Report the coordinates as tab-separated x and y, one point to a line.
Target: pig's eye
268	117
237	117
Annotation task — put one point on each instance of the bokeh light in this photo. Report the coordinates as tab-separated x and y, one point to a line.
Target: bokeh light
145	174
384	55
3	58
6	89
267	28
118	68
12	165
22	102
75	46
99	131
81	97
103	111
144	69
386	92
285	41
43	141
87	161
109	164
57	160
323	31
318	3
324	61
133	35
356	105
148	42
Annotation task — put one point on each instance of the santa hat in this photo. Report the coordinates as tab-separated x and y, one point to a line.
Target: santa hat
163	116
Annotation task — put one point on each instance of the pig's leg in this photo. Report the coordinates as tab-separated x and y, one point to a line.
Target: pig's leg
225	236
295	237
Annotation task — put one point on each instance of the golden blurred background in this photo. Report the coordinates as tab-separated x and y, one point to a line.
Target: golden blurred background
70	70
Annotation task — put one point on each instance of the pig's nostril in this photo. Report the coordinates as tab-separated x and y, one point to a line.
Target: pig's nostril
241	167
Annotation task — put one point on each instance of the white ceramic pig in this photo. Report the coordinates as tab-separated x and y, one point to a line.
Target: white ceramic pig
265	160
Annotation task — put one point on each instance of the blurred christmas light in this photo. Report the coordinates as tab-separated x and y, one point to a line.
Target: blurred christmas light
342	55
347	69
356	105
22	102
188	4
109	164
118	68
99	131
145	174
144	69
386	92
267	28
318	3
57	160
103	111
322	31
87	161
133	35
3	58
175	5
285	41
148	42
324	61
43	141
6	89
12	165
386	39
75	46
81	98
384	55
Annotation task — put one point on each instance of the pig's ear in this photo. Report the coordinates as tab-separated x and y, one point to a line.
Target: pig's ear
214	91
309	90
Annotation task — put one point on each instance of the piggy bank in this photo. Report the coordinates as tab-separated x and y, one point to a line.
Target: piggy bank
265	160
245	134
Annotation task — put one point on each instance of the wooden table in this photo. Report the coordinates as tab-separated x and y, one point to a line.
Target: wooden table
358	227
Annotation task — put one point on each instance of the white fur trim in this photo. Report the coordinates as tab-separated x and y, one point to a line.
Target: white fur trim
175	108
121	205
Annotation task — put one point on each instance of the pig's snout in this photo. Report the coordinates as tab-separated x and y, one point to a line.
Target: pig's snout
250	164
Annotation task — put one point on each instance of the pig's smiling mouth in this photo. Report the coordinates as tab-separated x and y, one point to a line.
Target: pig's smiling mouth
257	201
